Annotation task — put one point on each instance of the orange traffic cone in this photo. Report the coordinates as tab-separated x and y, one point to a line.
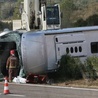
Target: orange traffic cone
6	89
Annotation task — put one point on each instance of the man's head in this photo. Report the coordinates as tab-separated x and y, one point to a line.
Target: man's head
12	52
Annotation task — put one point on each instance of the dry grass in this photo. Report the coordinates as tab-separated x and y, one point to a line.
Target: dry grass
80	83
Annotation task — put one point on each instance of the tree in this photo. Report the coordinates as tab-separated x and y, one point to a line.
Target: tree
7	10
92	20
67	7
80	23
16	14
10	9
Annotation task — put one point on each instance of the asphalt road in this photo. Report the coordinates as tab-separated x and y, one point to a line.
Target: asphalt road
46	91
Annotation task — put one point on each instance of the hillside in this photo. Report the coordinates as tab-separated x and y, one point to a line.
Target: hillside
8	0
89	10
72	10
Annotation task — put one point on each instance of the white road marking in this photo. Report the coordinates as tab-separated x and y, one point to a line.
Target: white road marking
64	87
16	95
13	95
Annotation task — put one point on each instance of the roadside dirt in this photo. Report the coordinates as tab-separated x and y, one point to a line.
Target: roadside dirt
79	83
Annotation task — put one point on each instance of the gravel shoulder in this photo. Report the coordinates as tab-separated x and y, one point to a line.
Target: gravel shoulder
79	83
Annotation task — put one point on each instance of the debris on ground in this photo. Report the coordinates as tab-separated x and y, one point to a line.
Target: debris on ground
19	79
34	78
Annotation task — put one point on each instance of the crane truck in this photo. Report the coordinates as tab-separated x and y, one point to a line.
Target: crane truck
36	14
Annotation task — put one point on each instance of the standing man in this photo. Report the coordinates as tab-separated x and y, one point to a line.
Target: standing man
12	65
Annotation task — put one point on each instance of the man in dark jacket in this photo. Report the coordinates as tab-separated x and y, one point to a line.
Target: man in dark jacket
12	65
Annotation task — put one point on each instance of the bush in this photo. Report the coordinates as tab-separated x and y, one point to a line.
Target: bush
5	25
69	68
91	67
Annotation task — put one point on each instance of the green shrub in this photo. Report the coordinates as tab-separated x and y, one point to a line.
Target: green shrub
91	67
5	25
69	68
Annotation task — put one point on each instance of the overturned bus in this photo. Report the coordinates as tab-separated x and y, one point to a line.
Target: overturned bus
40	51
